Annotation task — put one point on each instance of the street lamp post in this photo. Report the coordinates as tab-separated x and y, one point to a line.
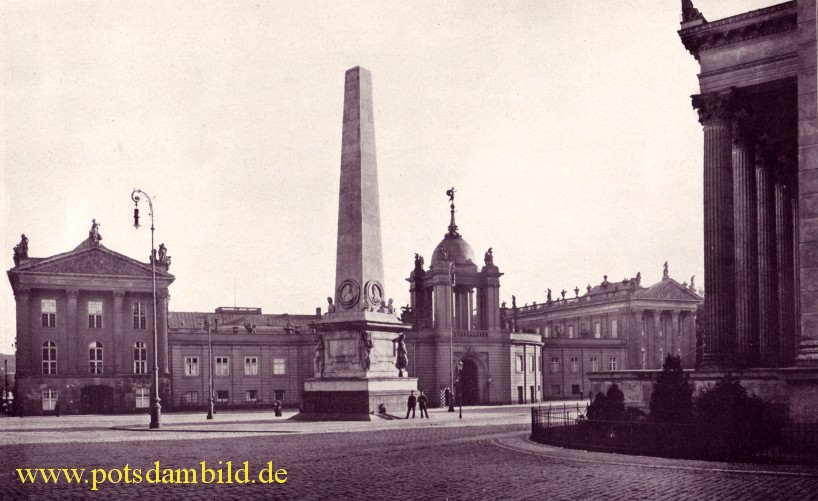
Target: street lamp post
156	407
460	385
210	371
4	409
451	336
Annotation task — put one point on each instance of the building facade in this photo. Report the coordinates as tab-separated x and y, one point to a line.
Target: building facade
85	330
612	326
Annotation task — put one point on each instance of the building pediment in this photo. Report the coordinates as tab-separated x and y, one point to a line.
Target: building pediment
668	289
96	260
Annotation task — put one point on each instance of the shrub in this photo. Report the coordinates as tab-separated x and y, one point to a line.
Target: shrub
672	398
608	407
736	425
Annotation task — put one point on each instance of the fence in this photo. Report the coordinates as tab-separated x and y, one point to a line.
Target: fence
568	426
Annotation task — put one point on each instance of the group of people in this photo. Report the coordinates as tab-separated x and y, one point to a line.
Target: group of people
420	400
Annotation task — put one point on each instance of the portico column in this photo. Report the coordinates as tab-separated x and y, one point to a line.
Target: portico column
784	252
674	342
24	334
74	349
745	221
767	349
118	345
162	328
719	250
655	341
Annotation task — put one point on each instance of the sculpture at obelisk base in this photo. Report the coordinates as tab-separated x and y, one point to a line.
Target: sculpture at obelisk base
360	367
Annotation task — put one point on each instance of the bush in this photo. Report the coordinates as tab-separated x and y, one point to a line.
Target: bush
672	398
734	424
608	407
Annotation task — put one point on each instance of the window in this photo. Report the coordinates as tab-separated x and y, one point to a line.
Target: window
555	364
531	364
642	325
140	358
644	359
279	366
191	366
547	331
250	366
49	399
614	326
574	389
191	397
143	398
597	330
519	363
612	363
95	357
570	332
574	364
661	355
594	364
222	396
48	307
139	318
222	366
661	327
555	389
251	396
49	357
94	314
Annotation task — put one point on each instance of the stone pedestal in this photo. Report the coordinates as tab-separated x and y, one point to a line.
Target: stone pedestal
354	367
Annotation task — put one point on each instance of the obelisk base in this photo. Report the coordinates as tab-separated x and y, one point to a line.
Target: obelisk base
354	399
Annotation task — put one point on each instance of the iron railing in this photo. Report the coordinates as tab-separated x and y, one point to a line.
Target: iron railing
568	426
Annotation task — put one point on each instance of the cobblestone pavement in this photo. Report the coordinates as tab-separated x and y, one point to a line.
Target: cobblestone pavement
482	457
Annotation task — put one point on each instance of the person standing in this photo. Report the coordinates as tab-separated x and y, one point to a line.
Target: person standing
423	402
411	405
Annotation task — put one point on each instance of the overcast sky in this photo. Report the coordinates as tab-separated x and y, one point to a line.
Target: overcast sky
565	126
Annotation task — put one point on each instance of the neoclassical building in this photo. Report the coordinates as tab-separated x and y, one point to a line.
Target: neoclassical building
613	326
85	330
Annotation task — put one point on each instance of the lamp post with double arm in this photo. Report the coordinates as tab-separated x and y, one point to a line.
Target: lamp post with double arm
156	407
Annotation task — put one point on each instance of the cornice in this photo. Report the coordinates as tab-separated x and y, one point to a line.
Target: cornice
736	29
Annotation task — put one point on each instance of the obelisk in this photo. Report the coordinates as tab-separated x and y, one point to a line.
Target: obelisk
360	360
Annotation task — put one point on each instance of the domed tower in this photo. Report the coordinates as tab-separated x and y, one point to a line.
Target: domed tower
455	308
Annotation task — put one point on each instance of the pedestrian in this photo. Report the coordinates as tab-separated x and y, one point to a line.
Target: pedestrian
411	405
423	402
57	408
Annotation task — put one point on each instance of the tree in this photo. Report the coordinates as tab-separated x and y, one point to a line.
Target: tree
608	407
672	398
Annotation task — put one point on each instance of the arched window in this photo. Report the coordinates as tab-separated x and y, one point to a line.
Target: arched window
95	357
140	358
49	357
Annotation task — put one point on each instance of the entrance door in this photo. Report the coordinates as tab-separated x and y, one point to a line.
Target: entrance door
97	400
470	382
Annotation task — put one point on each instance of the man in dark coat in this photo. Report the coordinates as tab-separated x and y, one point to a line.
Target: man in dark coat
411	405
423	402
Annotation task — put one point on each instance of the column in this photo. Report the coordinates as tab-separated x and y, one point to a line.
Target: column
674	344
119	349
719	251
162	328
767	349
24	334
784	253
654	341
75	352
745	221
443	307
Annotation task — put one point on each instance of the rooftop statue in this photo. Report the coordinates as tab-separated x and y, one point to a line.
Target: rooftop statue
93	233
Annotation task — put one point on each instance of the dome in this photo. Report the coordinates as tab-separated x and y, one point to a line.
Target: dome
456	249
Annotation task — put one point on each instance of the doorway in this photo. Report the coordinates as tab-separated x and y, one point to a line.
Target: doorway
470	382
97	400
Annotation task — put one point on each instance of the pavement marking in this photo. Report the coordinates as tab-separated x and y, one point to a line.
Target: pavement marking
498	442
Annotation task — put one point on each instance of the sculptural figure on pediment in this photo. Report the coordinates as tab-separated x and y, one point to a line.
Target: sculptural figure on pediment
250	327
93	233
366	350
318	359
418	262
21	250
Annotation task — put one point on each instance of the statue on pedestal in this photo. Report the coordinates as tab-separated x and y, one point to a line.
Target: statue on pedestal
489	257
318	359
330	306
402	360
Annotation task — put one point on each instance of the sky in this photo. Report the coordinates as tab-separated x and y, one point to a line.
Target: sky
565	126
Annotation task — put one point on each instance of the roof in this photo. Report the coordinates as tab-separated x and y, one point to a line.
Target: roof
185	319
